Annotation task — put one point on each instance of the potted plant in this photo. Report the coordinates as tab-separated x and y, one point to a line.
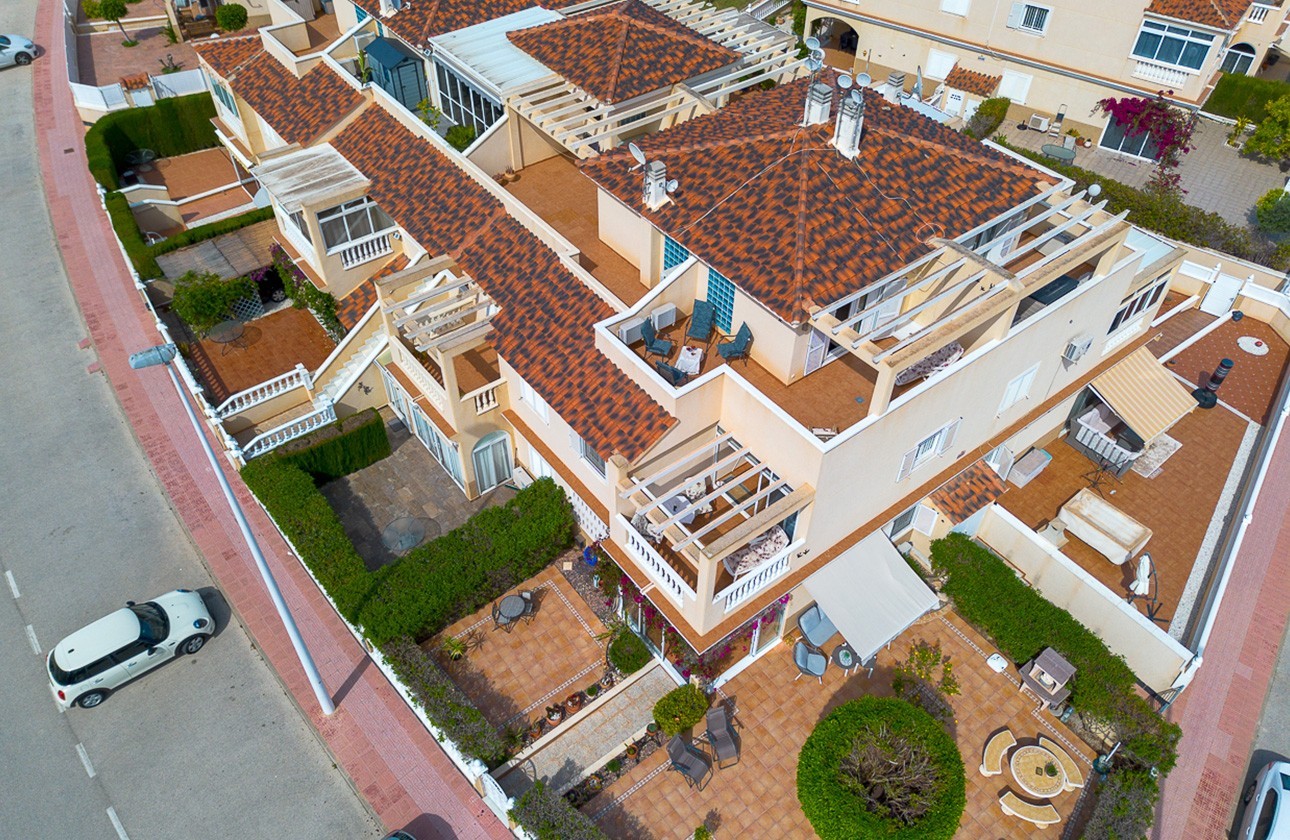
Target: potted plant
1050	770
652	728
454	648
574	701
592	691
555	714
535	730
633	751
702	832
607	681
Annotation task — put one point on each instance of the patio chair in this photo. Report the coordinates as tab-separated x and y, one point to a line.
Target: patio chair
815	626
500	623
738	348
702	321
995	749
721	735
689	761
1040	815
674	376
654	344
809	661
530	605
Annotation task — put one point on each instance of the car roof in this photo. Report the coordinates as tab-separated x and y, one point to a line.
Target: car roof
96	640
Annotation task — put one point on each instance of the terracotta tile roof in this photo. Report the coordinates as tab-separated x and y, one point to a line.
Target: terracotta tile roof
968	492
227	55
299	110
351	308
619	52
1220	14
544	328
420	20
776	209
970	81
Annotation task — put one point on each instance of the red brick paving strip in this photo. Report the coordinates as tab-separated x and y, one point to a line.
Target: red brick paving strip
373	735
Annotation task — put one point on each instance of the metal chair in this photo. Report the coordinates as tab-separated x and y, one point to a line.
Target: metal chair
702	321
809	661
738	348
530	605
500	622
815	626
689	761
674	376
721	735
654	344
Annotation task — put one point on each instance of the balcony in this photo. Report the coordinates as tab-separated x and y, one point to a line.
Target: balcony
368	248
1171	77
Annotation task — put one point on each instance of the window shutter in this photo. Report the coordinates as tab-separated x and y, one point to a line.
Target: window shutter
924	520
1016	14
940	63
907	465
955	7
1015	86
947	439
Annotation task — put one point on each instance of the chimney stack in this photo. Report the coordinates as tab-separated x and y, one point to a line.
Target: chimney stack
655	193
846	135
819	98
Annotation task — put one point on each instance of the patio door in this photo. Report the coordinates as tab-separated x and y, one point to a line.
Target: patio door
492	457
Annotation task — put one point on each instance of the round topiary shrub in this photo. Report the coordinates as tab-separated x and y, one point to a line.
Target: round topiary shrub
628	653
879	767
1273	210
680	709
230	17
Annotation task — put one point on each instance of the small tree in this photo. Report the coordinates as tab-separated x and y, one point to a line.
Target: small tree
1168	129
1272	138
1273	210
230	17
202	299
430	115
927	667
114	10
1126	805
680	709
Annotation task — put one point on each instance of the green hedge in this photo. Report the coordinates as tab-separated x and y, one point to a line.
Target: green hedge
838	814
210	231
173	126
1022	623
446	705
680	709
127	230
989	115
462	571
548	816
344	447
628	653
1244	96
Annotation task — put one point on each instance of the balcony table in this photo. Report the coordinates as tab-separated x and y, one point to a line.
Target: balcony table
675	505
845	657
690	360
227	333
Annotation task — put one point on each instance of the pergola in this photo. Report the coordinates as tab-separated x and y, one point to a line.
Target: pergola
443	311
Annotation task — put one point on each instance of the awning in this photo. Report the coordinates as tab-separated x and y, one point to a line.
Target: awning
1145	396
870	594
307	176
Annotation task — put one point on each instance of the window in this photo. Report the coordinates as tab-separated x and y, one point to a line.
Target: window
591	456
929	447
956	7
154	626
901	523
351	221
298	222
1141	301
1186	49
721	294
1015	86
940	63
534	401
1238	60
1029	17
673	254
1018	389
223	96
1115	138
360	14
465	104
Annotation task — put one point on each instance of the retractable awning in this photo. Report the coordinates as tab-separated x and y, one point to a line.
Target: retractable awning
870	594
1145	396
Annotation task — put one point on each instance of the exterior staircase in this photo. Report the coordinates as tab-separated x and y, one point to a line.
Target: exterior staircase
348	373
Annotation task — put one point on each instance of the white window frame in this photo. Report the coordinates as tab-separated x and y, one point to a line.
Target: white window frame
1018	389
939	64
929	448
1126	317
534	401
1015	86
588	453
1021	17
1184	34
956	7
343	212
297	220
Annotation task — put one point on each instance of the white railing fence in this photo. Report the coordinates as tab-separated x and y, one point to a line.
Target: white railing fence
756	580
366	250
592	524
289	431
1259	12
486	401
257	394
1160	73
653	563
179	83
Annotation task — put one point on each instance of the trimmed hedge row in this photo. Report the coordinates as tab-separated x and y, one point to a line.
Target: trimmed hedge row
989	115
838	814
463	570
210	231
169	127
548	816
627	652
1244	96
127	230
344	447
1022	623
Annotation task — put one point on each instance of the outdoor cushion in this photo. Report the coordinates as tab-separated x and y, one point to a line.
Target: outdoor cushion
654	344
739	346
1074	778
815	626
809	661
703	319
721	735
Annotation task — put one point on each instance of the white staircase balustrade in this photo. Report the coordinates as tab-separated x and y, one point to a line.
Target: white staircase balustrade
289	431
486	401
756	580
367	249
353	368
669	582
256	394
412	366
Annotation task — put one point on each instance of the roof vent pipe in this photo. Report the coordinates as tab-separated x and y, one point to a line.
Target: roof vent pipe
819	97
655	193
846	134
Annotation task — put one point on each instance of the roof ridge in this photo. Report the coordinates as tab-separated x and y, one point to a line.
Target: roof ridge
617	62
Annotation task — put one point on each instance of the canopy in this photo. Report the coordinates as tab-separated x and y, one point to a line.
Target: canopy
1145	396
307	176
870	594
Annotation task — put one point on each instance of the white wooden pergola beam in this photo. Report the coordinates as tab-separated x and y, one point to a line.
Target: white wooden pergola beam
442	308
930	328
735	75
904	293
903	317
536	85
617	127
1052	233
674	467
456	336
446	317
693	506
667	493
748	502
421	297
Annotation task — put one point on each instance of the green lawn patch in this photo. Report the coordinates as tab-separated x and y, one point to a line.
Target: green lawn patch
1244	96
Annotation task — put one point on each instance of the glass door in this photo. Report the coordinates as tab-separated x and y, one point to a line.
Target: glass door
492	457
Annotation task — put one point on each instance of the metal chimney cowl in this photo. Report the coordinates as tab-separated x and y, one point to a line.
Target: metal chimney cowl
819	99
655	192
850	124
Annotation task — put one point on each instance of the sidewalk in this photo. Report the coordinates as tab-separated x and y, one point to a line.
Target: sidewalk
393	761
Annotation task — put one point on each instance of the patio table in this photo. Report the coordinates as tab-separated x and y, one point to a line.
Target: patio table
227	333
1028	763
845	657
675	505
403	534
690	360
1056	152
511	608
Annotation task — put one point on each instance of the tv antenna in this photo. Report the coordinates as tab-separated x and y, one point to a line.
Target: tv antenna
637	154
672	186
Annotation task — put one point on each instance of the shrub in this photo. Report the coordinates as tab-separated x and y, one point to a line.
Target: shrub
127	230
304	294
837	778
445	705
210	231
680	709
989	115
230	17
1126	806
1272	138
460	137
628	653
456	574
548	816
1273	210
203	299
1244	96
172	126
344	447
1022	623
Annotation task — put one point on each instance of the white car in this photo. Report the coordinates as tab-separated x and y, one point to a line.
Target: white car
88	665
1267	813
15	49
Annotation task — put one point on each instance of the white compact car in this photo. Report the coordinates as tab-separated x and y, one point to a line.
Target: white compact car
1267	812
15	49
88	665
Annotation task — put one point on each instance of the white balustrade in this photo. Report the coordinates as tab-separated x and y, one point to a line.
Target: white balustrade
412	366
756	580
257	394
289	431
1259	13
365	250
1154	72
486	401
587	518
669	582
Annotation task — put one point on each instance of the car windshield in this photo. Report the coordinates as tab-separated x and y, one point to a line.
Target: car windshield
155	627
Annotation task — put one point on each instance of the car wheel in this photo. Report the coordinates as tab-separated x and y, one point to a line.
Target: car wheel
22	59
91	699
191	645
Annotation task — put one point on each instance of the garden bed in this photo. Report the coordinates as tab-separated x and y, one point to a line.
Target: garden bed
617	767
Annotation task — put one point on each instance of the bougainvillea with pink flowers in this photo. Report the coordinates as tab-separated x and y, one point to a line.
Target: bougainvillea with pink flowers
1168	128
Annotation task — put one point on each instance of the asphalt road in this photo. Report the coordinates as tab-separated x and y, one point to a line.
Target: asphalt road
207	746
1272	739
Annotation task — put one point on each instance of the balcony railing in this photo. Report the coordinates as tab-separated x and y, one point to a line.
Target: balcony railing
658	569
1259	13
412	366
289	431
756	580
265	391
1171	76
365	250
486	401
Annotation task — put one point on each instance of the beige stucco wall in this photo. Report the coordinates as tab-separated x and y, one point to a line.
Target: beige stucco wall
528	144
628	234
493	153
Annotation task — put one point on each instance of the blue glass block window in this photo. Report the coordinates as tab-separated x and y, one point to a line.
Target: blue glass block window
721	294
673	254
360	14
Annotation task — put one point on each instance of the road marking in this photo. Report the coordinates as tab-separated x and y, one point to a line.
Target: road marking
13	584
116	823
31	637
85	759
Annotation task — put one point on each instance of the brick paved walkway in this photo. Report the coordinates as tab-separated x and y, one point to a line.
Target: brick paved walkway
396	765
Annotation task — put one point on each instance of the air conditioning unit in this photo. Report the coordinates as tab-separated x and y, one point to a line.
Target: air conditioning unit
629	331
664	316
1038	123
1077	348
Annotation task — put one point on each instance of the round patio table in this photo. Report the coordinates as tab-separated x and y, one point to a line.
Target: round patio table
403	534
511	608
844	656
141	159
227	333
1252	345
1058	152
1028	765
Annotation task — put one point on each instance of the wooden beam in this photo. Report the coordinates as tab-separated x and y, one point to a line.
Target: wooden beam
449	315
673	467
666	494
748	502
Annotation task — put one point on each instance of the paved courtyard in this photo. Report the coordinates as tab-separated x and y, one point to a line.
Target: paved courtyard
102	60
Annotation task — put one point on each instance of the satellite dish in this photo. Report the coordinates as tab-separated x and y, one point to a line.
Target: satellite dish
1095	190
672	185
818	54
814	64
864	79
844	81
857	96
636	153
812	43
